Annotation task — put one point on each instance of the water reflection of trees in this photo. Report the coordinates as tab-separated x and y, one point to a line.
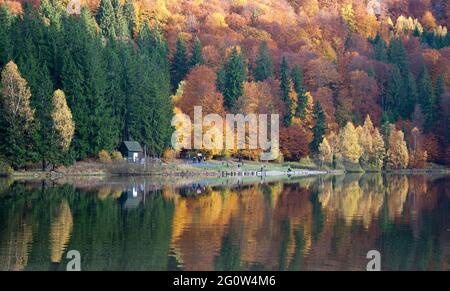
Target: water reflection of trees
328	222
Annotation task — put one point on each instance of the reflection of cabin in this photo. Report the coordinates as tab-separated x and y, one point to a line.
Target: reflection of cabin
131	151
132	196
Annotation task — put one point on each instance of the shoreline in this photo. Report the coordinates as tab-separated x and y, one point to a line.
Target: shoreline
209	170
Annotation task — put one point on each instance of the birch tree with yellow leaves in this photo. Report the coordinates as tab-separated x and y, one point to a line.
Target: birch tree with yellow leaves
398	156
63	127
16	116
350	149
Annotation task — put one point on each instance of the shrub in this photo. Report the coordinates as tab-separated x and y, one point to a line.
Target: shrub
5	168
116	156
168	155
104	157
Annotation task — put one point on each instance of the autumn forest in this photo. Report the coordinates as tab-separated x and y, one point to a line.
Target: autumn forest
358	84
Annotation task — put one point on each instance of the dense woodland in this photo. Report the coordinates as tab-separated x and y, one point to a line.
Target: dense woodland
356	84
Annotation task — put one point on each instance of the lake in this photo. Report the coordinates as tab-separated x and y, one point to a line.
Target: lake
309	223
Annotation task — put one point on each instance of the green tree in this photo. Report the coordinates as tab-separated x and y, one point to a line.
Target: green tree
397	55
440	86
232	79
285	88
406	107
129	13
84	79
297	82
106	19
150	108
319	128
264	65
197	55
121	24
427	99
379	48
395	94
179	65
6	45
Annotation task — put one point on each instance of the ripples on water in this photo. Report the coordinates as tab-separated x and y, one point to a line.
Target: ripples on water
322	223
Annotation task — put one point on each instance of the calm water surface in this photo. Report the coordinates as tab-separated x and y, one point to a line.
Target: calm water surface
320	223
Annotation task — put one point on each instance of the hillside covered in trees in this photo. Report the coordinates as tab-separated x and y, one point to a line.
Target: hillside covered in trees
355	82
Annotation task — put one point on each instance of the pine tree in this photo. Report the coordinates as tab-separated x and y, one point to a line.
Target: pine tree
115	87
319	128
6	46
197	55
17	117
427	99
220	80
285	89
264	65
379	49
106	19
121	23
150	110
406	107
397	55
129	14
297	81
84	80
395	94
234	75
179	66
440	86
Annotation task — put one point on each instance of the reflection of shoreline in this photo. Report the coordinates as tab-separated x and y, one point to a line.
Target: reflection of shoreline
313	223
158	183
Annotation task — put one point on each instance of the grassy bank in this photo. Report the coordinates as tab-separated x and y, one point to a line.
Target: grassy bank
183	168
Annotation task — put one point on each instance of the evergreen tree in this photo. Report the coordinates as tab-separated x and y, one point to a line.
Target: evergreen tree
440	86
121	24
150	111
395	94
264	66
6	46
129	14
84	79
115	94
220	80
406	107
397	55
319	128
302	100
234	75
179	66
427	99
197	55
284	90
106	19
379	49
